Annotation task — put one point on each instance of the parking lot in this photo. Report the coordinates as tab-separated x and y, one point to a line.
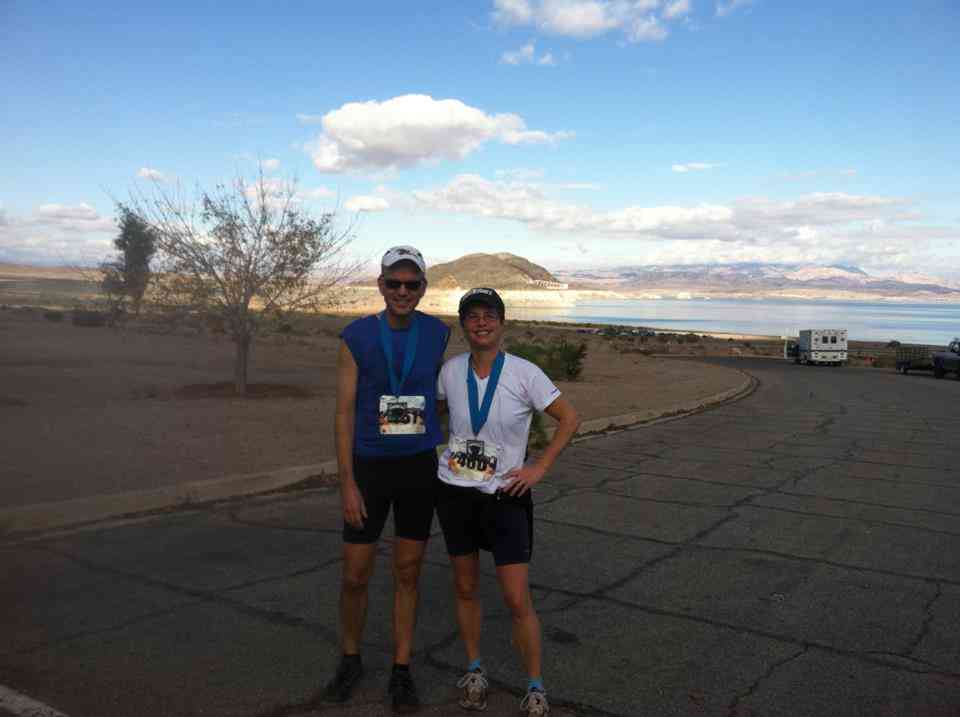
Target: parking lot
796	552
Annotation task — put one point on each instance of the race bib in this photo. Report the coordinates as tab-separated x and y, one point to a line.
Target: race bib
473	459
402	415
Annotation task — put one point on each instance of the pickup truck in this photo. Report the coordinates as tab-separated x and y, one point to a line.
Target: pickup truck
926	358
947	361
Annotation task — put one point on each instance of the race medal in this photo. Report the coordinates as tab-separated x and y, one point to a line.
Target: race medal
473	459
402	415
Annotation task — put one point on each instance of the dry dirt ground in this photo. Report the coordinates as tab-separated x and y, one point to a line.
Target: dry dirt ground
93	410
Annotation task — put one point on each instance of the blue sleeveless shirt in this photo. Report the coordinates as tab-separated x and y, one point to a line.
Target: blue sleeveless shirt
362	337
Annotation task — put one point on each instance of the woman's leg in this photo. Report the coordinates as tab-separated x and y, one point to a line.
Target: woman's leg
466	576
514	582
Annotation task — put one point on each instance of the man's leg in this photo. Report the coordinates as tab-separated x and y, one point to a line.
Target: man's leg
514	582
358	562
407	561
466	576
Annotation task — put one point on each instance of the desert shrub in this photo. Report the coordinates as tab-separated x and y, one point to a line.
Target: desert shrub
53	315
663	338
885	361
88	319
560	360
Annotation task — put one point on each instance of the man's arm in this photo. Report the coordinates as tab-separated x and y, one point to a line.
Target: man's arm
523	479
354	509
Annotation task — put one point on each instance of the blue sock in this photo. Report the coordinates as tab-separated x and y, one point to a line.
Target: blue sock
535	683
475	665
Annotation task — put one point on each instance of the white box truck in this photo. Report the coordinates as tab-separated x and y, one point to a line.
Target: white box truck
822	346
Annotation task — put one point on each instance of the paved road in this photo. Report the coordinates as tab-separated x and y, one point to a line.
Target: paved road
794	553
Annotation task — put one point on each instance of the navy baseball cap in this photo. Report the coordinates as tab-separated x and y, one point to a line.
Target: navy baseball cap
485	296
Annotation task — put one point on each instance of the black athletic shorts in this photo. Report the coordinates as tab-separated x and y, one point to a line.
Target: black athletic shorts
499	523
408	484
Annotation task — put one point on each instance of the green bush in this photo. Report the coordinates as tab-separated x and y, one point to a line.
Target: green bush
53	315
560	360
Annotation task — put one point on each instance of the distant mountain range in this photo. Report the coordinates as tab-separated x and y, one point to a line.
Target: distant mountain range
757	279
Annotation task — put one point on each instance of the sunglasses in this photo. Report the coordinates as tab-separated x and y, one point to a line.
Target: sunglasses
395	284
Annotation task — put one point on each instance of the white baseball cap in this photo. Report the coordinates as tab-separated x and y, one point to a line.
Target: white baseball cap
403	253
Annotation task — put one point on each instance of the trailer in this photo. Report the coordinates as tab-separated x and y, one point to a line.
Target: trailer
930	358
914	358
822	346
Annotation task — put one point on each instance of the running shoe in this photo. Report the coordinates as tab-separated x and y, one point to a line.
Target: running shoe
348	675
404	692
474	685
535	704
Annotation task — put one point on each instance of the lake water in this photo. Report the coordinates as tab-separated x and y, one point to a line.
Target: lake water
866	321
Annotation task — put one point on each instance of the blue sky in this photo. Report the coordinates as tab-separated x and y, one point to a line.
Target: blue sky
573	132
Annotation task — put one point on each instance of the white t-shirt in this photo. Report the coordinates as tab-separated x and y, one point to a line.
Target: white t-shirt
523	388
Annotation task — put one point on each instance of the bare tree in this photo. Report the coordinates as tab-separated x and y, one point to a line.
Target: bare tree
241	255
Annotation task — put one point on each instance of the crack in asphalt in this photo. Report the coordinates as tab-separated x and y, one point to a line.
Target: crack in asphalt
274	617
927	621
734	705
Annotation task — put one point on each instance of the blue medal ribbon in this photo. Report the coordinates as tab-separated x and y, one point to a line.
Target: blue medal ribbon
409	354
479	412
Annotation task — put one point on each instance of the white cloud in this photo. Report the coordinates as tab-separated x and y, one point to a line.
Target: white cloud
693	167
527	55
528	203
55	213
751	220
270	165
647	29
366	204
518	57
280	192
411	129
675	9
153	175
512	12
314	194
56	234
582	19
578	18
821	227
725	7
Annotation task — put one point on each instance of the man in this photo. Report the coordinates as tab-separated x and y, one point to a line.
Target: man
484	500
387	431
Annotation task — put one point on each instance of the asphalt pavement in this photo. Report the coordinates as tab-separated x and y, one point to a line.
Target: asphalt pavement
796	552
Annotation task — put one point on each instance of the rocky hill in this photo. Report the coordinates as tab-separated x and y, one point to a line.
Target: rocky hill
501	271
